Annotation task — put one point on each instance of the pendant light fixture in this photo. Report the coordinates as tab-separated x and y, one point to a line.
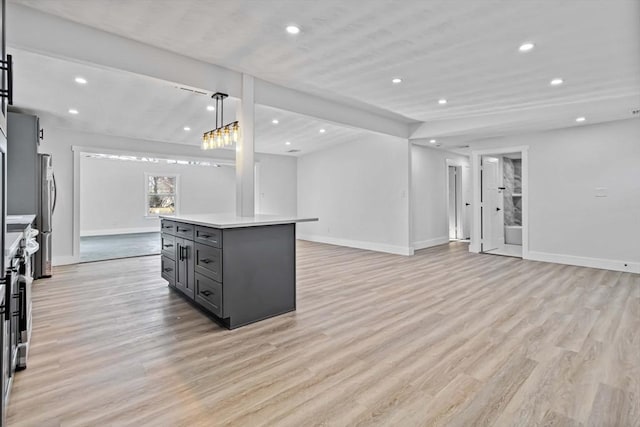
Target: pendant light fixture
223	135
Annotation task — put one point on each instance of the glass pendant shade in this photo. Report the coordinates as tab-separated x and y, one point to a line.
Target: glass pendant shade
223	135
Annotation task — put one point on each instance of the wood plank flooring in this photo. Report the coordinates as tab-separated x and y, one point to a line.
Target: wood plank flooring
444	338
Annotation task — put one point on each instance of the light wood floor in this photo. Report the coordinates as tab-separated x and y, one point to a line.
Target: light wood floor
442	338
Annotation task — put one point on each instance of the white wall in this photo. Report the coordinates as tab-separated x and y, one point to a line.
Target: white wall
112	193
359	192
429	194
277	184
59	142
568	224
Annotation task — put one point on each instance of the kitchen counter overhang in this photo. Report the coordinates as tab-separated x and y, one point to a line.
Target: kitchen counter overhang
223	221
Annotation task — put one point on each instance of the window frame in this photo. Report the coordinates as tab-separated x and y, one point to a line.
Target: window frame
176	194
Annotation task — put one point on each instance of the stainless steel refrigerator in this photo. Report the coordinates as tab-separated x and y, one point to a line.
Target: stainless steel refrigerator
31	188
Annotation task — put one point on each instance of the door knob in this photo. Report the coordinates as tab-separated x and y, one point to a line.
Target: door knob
498	209
467	204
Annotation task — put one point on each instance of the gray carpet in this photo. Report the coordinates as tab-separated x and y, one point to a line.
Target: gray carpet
100	248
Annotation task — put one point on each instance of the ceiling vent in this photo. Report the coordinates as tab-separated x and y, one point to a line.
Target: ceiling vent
293	151
199	92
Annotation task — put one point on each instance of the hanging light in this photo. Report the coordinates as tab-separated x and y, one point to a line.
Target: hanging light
223	135
235	132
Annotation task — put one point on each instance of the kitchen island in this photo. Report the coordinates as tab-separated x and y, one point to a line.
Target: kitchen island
239	270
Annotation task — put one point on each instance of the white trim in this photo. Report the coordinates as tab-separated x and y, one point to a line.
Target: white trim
423	244
76	205
114	231
64	260
606	264
104	150
475	175
358	244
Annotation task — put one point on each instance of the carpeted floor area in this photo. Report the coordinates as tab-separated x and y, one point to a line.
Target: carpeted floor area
100	248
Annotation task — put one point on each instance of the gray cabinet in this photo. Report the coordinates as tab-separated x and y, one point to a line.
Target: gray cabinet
209	294
237	275
168	243
6	82
208	261
184	266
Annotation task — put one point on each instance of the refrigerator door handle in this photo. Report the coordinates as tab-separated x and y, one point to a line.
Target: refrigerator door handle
55	194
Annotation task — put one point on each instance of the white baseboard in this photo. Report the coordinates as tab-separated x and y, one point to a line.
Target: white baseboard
606	264
112	231
64	260
423	244
359	244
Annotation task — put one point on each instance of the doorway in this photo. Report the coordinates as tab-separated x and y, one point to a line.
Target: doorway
500	188
454	201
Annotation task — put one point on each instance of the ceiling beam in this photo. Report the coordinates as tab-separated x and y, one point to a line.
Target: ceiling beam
46	34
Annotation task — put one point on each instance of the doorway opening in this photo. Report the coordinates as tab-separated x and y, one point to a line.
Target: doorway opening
501	204
119	196
454	202
458	199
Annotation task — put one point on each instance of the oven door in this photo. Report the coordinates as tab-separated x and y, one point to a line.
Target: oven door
24	322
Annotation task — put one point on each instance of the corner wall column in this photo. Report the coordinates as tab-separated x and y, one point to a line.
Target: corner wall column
245	150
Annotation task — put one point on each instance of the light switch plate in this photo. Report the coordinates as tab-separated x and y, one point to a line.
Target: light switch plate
602	191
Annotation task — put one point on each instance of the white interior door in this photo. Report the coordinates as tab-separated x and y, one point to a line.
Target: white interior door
492	215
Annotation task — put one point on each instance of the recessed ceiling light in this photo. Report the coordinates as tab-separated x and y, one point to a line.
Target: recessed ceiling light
556	82
396	81
187	128
287	143
293	29
526	47
322	130
81	80
275	121
442	101
433	141
73	111
211	108
581	119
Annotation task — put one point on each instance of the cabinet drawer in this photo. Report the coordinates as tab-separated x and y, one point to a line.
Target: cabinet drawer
209	236
183	230
168	243
168	270
208	261
167	226
209	294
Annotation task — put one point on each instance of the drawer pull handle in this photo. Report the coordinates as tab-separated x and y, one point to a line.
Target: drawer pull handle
205	236
168	269
206	293
207	260
168	246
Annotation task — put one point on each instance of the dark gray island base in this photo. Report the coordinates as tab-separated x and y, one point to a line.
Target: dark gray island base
239	272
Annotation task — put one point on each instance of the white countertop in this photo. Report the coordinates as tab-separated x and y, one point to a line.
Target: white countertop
234	221
12	242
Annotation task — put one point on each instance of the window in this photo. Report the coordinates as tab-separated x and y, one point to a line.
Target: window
161	194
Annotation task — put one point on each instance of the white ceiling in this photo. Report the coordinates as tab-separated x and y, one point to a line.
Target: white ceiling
465	51
125	104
